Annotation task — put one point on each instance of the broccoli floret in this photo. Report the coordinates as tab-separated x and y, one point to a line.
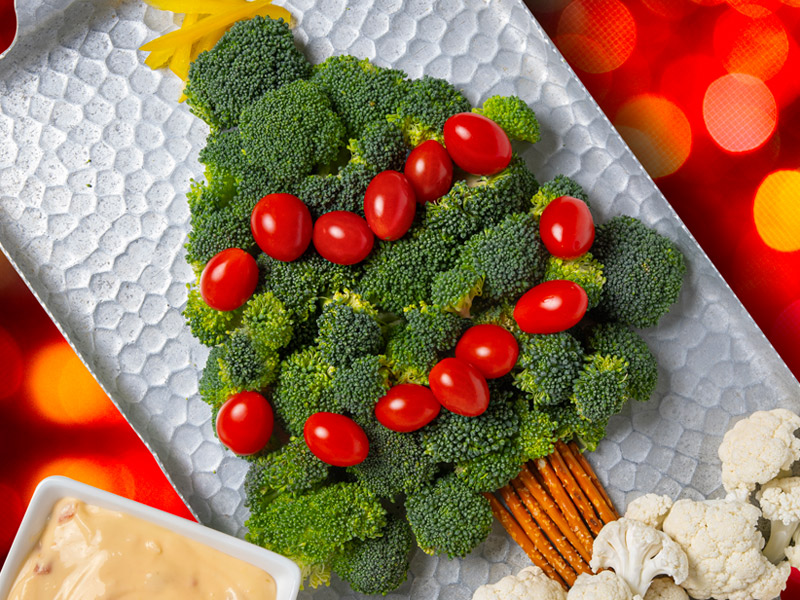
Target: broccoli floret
571	425
470	206
456	289
303	388
377	565
381	147
600	389
300	283
447	517
246	364
359	386
361	92
501	314
560	185
644	271
214	390
430	101
452	437
292	469
584	270
512	114
395	463
615	339
267	321
550	364
209	326
311	528
253	57
291	131
348	329
493	470
538	430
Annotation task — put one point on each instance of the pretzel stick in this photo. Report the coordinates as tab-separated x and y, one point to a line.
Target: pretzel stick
536	535
554	512
575	492
518	535
586	484
590	472
550	529
562	497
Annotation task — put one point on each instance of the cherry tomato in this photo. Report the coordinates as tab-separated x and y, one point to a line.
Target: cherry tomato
335	439
477	144
389	205
229	279
430	171
489	348
567	227
551	307
459	387
343	237
244	422
407	407
281	225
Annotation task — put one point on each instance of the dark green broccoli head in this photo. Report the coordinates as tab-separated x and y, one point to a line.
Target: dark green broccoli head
253	57
246	364
214	390
377	565
408	361
358	386
584	270
292	469
600	389
381	147
560	185
449	518
515	117
291	131
617	340
538	430
491	471
550	364
643	269
571	425
430	101
361	93
348	329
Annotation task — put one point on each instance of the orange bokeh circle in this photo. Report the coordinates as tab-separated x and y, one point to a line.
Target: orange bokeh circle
95	470
754	8
776	210
657	131
596	36
740	112
63	391
758	47
671	9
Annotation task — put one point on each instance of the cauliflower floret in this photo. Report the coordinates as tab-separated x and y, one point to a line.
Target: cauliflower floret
664	588
530	582
757	449
724	549
603	586
650	509
780	503
638	553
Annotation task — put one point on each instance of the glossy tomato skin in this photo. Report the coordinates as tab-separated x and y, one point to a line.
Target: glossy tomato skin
343	237
229	279
567	227
281	225
407	407
335	439
244	422
389	205
477	144
551	307
459	387
429	168
491	349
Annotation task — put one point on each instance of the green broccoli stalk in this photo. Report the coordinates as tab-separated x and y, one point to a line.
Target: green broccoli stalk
560	185
643	269
617	340
584	270
449	518
512	114
377	565
253	57
550	364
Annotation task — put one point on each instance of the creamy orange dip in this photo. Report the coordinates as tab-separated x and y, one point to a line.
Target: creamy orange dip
88	553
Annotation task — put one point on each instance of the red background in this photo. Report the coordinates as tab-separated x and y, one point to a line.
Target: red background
704	91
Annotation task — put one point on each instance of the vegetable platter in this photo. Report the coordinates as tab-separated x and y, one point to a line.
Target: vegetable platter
96	159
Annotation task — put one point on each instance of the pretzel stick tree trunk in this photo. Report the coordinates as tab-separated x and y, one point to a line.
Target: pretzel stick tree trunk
585	482
588	468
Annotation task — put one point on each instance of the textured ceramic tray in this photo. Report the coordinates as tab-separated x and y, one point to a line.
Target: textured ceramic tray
95	157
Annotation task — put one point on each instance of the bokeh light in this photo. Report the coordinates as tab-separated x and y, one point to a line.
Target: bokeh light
755	8
10	365
596	35
98	471
776	210
671	9
740	112
63	390
758	47
657	131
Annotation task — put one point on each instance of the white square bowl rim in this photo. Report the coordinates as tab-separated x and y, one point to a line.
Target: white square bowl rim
51	489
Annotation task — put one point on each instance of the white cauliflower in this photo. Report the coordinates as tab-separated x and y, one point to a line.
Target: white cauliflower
757	449
603	586
638	553
530	582
724	549
780	503
650	509
664	588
